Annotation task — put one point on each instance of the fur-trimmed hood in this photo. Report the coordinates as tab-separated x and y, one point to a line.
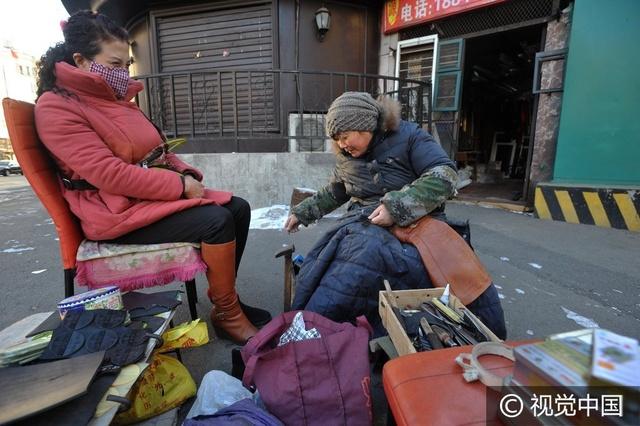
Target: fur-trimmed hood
390	116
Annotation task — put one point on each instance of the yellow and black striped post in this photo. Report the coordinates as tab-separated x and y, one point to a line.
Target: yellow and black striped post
608	207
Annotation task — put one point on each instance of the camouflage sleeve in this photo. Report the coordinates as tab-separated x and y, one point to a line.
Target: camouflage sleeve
421	196
324	201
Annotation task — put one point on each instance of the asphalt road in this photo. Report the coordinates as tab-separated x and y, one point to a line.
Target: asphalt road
544	269
552	276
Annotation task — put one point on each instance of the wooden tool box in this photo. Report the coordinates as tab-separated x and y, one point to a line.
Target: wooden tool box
412	299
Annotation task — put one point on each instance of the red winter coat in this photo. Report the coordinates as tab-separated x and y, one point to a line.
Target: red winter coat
94	136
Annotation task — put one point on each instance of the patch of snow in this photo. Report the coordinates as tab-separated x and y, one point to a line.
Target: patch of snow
616	290
497	286
535	265
530	332
272	217
519	291
17	249
311	190
39	271
501	296
579	319
504	259
504	277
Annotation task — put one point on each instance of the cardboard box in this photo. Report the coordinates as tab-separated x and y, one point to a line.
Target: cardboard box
412	299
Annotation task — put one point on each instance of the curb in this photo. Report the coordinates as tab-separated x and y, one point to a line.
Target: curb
607	207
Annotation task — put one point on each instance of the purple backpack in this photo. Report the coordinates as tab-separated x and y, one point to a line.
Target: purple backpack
312	382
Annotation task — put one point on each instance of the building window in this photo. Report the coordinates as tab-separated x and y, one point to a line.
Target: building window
415	61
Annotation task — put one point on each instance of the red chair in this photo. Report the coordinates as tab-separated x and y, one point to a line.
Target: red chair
40	171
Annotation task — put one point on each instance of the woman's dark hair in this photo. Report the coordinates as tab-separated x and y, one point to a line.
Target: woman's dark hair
83	33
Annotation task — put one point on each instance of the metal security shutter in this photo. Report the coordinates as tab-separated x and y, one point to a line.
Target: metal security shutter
415	62
200	49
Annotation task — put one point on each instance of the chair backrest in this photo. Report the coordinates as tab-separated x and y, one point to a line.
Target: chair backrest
40	170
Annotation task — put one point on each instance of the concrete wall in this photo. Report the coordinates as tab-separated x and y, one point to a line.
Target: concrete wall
599	125
387	54
263	179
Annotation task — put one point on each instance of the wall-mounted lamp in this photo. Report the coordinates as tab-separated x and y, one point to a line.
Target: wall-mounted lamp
323	21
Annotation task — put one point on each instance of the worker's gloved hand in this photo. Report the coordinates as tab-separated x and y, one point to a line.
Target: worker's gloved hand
292	223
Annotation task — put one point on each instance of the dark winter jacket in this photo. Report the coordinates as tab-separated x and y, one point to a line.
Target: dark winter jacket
342	275
404	168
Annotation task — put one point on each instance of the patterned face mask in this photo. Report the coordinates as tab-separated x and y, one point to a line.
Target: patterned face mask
117	78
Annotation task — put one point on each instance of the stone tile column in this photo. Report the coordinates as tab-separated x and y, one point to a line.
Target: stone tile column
549	105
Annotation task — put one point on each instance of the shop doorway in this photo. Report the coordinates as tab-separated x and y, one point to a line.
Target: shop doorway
496	114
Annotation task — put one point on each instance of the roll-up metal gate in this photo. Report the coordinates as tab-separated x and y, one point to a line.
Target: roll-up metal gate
210	41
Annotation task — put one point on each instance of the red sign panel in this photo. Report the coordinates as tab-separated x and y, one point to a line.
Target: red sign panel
400	14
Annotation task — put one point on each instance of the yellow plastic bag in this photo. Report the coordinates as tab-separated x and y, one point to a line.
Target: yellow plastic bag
164	385
186	335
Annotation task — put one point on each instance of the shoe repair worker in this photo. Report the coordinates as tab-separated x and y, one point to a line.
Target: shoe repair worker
393	173
102	142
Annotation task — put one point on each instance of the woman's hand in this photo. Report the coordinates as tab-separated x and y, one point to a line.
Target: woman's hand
381	216
292	223
192	188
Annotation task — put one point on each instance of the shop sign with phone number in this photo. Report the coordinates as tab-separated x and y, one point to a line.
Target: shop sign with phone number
400	14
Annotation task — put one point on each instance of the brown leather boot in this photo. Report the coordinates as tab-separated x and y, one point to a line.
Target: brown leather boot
226	316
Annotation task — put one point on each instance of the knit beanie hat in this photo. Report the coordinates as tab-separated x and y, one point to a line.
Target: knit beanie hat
353	111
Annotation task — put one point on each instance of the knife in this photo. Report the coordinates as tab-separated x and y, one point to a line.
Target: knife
431	336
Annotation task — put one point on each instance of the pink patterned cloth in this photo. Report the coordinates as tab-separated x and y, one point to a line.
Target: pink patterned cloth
133	266
117	78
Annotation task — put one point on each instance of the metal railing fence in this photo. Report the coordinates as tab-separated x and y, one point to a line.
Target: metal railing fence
264	104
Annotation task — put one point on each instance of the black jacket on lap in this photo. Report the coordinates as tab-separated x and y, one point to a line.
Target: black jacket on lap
343	273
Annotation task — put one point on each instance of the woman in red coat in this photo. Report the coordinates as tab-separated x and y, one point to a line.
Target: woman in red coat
102	143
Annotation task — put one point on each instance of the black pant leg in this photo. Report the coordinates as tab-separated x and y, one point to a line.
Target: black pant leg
241	213
209	224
